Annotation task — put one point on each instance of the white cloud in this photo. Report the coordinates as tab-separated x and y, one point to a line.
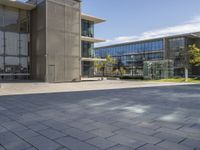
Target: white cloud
192	25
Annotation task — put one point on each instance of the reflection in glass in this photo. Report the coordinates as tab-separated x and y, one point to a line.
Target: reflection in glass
1	43
11	19
14	41
23	44
1	64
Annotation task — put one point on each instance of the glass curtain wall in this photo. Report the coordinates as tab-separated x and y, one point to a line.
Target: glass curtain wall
136	48
87	28
132	55
87	49
14	42
177	53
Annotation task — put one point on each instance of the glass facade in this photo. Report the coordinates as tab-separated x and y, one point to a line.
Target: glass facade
132	48
87	69
87	49
132	55
177	53
87	28
14	42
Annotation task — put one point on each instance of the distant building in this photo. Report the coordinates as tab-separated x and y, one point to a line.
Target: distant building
47	40
132	55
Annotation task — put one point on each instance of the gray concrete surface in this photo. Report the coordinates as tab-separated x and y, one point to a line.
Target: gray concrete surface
31	87
146	118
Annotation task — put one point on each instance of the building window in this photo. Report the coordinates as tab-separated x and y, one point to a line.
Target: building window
87	49
14	41
87	28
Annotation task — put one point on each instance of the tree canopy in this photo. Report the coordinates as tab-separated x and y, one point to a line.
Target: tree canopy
194	55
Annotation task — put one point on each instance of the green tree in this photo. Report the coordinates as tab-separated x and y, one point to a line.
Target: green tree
194	55
119	68
101	65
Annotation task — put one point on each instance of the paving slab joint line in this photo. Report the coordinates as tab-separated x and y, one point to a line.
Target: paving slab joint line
53	140
112	146
181	140
2	146
141	146
180	127
89	138
160	142
21	138
155	133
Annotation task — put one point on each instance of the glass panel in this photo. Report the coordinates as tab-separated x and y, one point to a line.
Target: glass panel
1	43
24	65
12	65
87	28
24	21
11	19
12	43
1	17
1	64
24	44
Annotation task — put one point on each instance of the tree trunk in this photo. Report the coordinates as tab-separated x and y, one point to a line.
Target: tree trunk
103	72
186	74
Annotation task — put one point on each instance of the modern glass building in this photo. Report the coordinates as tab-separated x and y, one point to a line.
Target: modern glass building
132	55
87	45
47	40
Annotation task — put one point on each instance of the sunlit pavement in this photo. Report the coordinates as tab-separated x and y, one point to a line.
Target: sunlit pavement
145	118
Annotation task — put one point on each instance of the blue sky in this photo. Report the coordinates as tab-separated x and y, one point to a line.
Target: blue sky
130	20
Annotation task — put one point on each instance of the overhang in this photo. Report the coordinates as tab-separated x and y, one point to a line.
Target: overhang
92	59
92	18
93	40
17	4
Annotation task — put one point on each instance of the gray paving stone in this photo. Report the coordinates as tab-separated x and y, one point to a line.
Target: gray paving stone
191	143
102	133
74	144
64	149
12	142
37	127
2	148
190	130
76	133
169	125
56	125
32	148
120	147
51	133
173	146
25	133
101	143
12	125
83	127
90	119
151	147
137	136
180	133
104	126
41	142
123	140
137	129
2	129
169	137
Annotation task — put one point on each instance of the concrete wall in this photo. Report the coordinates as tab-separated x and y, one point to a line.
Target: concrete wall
56	41
63	40
38	42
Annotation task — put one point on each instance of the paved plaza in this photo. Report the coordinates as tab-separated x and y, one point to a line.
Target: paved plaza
145	118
